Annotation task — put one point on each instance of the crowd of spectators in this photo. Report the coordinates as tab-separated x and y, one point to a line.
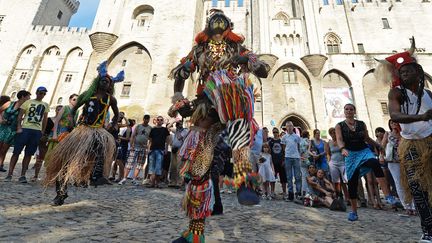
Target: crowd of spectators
310	171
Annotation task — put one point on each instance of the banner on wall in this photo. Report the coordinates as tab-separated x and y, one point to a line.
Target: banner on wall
335	100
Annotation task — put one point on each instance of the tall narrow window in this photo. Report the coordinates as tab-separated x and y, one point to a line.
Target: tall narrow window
214	3
141	22
294	8
126	90
57	53
2	17
23	75
339	2
258	104
333	44
13	95
68	78
59	15
289	76
80	54
354	1
227	3
29	51
360	47
384	107
325	2
386	24
240	3
124	63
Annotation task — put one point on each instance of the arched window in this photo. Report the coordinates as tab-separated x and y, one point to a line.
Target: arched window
52	51
59	101
333	43
13	95
278	40
143	15
282	16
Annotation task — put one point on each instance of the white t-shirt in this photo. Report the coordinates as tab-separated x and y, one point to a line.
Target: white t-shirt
292	143
420	129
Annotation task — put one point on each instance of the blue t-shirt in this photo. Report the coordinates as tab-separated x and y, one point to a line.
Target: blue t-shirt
292	143
258	142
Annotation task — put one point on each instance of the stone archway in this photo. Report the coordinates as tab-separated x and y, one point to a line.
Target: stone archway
135	60
299	122
291	93
376	100
337	90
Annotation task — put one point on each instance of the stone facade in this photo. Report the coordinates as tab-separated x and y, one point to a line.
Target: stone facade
321	51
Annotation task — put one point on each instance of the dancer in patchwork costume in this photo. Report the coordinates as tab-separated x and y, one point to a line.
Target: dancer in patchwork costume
224	100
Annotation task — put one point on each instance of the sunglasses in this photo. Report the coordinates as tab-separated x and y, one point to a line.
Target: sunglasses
160	119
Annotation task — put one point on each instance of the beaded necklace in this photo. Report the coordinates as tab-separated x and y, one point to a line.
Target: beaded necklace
217	49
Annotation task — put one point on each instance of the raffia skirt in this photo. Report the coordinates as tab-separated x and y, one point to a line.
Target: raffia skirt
73	159
416	156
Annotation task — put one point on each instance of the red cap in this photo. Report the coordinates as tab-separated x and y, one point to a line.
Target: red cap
400	59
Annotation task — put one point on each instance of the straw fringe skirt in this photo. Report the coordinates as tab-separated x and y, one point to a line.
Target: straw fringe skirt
416	165
73	159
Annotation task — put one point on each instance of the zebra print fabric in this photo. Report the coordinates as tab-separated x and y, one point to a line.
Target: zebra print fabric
239	133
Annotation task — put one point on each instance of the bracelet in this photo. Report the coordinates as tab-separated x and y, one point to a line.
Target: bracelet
342	148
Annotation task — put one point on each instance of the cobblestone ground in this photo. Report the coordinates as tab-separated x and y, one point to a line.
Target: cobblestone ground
136	214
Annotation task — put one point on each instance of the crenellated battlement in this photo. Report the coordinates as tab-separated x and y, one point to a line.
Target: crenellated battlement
60	29
72	4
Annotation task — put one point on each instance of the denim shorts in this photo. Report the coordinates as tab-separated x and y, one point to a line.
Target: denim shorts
29	138
155	162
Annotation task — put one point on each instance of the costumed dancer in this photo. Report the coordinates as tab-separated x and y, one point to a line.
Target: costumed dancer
410	104
224	98
85	155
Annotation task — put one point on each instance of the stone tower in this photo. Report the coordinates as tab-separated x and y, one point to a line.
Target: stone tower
146	39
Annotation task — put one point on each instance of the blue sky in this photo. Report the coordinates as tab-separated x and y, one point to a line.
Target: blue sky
85	15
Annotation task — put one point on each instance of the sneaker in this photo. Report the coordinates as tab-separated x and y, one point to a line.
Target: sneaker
22	179
290	196
2	169
8	179
263	196
269	197
352	216
222	191
285	197
135	183
391	200
123	181
426	238
307	201
146	182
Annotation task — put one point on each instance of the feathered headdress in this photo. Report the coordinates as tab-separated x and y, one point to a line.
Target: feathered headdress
218	23
103	72
388	69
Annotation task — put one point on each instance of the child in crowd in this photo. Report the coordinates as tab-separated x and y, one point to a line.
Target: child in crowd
266	170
